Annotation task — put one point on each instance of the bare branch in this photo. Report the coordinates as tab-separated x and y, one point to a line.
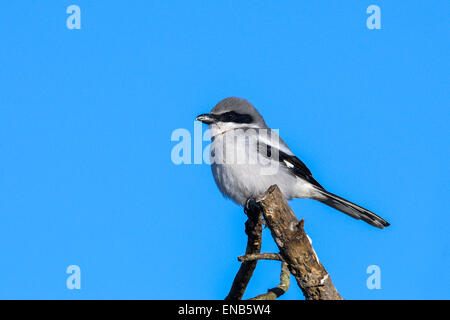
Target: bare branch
295	247
253	229
260	256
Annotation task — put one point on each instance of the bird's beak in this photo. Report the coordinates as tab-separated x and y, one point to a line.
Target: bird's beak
206	118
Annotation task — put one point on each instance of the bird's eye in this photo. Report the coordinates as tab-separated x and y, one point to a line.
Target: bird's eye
228	117
235	117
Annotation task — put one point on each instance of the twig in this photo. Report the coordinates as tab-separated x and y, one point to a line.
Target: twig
260	256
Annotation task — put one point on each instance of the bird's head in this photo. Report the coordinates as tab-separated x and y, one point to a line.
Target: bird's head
232	113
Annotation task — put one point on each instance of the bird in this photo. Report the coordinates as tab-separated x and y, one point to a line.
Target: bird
247	157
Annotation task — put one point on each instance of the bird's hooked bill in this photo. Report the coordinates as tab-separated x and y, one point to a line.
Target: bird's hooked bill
206	118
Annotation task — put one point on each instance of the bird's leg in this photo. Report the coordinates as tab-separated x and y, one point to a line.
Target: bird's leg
251	207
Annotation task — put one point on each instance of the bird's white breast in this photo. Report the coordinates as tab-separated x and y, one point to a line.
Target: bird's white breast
241	173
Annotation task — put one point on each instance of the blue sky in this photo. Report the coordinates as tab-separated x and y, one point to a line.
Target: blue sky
86	116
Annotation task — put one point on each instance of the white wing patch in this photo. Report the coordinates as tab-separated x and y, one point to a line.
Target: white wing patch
288	164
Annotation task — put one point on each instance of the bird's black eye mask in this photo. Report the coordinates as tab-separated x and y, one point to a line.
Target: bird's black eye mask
235	117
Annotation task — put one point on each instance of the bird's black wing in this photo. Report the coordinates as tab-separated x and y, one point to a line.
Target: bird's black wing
291	162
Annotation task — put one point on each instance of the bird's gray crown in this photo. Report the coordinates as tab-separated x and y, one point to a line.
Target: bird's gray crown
239	106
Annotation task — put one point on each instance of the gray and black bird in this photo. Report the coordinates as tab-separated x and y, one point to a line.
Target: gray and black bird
247	157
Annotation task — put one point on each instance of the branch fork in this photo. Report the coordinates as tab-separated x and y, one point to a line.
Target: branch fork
296	254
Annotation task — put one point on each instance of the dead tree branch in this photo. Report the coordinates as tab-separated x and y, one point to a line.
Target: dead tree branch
253	229
294	244
260	256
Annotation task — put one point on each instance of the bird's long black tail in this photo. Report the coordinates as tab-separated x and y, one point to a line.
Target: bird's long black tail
351	209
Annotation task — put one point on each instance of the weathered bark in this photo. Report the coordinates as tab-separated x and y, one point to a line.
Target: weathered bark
295	246
260	256
253	229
